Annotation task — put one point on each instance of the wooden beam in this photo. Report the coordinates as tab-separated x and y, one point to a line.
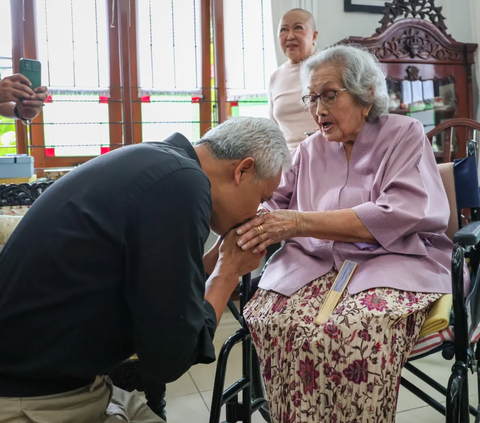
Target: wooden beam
37	135
124	16
16	12
136	100
206	100
219	52
115	115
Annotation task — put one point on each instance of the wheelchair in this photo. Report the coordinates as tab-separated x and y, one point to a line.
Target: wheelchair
463	348
250	384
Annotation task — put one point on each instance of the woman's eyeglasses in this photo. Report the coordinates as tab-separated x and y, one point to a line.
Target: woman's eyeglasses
328	98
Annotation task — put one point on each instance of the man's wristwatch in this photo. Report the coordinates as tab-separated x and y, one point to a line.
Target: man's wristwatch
20	117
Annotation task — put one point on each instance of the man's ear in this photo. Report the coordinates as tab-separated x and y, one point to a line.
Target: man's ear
245	170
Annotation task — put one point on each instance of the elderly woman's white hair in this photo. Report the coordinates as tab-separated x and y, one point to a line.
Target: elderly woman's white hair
362	75
242	137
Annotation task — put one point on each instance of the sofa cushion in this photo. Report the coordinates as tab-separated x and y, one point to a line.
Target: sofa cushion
7	226
14	210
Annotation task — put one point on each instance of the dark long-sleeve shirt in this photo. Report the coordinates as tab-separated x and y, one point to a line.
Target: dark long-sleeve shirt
107	263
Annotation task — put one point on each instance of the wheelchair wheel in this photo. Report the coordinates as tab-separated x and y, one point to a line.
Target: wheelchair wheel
258	388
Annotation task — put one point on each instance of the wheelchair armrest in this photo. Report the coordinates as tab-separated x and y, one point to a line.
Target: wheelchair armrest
469	235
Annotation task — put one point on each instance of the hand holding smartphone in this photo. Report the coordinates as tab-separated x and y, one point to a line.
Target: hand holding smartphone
27	108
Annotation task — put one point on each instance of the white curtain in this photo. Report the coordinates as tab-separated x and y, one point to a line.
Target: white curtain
475	19
279	8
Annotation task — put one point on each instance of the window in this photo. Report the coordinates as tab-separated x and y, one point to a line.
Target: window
72	45
249	55
169	67
162	115
8	139
250	106
125	71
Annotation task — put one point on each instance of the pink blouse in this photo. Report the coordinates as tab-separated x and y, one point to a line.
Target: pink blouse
393	185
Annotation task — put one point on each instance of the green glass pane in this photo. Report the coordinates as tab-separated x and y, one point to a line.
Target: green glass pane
8	138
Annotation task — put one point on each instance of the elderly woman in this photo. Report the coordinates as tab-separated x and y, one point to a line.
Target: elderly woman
364	188
297	37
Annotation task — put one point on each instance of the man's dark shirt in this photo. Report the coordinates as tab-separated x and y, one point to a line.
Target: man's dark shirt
105	264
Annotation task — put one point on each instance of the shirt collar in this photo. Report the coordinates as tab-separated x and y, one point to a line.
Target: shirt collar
177	140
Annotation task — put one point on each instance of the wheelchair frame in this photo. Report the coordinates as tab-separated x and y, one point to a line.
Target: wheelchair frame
237	411
467	354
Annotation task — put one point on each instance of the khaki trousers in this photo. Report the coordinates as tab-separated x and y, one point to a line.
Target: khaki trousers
100	402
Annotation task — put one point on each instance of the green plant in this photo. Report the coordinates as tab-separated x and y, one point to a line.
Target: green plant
8	138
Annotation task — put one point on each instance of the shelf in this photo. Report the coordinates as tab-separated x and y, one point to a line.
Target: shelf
408	112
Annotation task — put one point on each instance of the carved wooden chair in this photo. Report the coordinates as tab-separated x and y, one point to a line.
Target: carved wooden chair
451	131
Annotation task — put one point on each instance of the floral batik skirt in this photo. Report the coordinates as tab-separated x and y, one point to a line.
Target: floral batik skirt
345	370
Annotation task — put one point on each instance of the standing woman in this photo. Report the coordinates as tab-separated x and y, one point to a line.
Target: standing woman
297	37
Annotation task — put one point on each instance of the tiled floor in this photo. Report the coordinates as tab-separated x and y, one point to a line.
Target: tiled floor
189	398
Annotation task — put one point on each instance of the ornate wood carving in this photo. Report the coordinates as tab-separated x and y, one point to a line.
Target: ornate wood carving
423	9
413	73
415	43
416	40
419	37
21	194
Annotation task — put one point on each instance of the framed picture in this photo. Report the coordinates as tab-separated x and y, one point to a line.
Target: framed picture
369	6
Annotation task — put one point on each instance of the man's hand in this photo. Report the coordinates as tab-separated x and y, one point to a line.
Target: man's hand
234	260
29	109
232	263
15	88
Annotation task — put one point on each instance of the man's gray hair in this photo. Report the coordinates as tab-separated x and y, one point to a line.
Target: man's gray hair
242	137
362	75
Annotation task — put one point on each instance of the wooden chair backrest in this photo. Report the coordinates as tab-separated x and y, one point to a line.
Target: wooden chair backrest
466	129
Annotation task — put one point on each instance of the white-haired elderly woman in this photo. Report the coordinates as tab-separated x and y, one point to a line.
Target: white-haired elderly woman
365	188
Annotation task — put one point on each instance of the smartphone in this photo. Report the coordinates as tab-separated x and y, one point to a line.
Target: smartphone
32	69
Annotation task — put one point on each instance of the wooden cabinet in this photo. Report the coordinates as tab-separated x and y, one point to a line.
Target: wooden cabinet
429	74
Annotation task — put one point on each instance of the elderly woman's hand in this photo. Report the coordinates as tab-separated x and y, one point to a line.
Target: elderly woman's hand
269	228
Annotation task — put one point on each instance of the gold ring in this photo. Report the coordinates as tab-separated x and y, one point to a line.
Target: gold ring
260	230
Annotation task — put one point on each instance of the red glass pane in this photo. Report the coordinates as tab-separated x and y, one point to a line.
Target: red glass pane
103	99
49	99
104	150
145	99
49	152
